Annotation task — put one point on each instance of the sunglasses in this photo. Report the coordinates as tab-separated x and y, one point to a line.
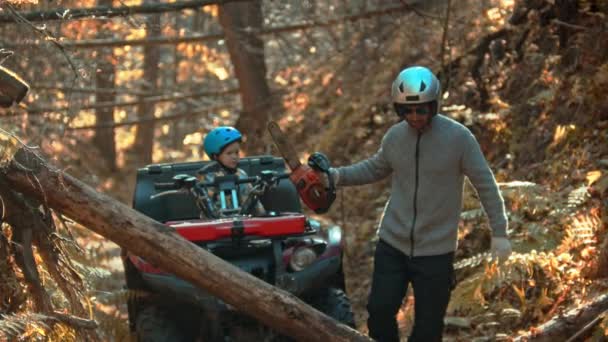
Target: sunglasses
406	109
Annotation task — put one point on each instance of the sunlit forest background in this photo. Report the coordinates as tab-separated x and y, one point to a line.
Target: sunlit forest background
113	91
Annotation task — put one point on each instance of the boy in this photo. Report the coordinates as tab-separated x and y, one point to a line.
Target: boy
222	145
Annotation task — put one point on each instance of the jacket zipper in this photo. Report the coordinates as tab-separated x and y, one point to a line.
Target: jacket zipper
415	196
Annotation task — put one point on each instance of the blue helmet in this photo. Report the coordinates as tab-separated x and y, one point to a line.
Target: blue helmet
219	138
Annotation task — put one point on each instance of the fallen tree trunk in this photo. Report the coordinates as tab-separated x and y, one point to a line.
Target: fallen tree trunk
558	328
26	172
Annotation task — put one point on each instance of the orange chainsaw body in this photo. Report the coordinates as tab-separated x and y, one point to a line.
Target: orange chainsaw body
308	181
310	187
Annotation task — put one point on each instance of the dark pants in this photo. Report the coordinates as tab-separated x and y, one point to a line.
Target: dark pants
431	278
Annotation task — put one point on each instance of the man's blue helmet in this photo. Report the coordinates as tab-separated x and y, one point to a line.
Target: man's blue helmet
219	138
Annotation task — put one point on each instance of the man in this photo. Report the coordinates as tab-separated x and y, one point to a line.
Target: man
427	155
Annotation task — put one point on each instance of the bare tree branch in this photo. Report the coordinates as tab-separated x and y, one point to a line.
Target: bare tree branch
444	42
94	43
110	12
19	18
74	321
154	99
115	91
182	115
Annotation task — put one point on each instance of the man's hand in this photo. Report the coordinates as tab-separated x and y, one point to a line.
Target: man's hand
334	174
500	248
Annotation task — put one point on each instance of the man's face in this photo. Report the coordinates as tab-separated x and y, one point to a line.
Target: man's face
416	115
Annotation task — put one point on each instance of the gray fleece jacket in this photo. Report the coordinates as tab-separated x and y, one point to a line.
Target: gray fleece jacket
428	168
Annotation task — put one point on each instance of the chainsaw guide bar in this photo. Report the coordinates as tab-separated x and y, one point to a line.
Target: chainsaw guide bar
284	146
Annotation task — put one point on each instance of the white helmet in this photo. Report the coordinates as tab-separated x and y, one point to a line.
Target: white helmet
416	85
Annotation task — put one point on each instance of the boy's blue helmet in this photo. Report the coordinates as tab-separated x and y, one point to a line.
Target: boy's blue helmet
219	138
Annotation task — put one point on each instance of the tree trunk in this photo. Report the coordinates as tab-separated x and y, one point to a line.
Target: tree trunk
241	23
144	139
558	328
28	173
567	11
104	117
177	128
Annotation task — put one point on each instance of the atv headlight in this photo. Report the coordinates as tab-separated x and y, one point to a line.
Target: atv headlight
334	235
301	258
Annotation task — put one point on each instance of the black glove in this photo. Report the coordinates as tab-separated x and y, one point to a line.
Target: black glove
318	161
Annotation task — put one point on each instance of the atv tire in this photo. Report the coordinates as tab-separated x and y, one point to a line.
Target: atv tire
334	303
153	324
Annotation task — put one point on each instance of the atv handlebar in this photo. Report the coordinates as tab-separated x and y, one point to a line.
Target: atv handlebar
180	182
166	186
183	183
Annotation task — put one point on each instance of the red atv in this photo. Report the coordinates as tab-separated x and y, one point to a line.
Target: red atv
283	248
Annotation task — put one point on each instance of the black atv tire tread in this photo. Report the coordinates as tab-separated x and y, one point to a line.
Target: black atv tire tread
334	303
154	325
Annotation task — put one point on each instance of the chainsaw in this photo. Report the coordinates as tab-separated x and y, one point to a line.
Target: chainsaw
307	178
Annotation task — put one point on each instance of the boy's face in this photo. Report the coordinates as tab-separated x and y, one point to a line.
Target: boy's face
230	155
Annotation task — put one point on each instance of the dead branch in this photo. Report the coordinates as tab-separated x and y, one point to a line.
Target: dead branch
95	43
421	13
163	247
587	328
479	49
444	42
111	91
11	294
568	324
47	35
29	226
155	99
568	25
72	285
22	219
111	12
74	321
179	116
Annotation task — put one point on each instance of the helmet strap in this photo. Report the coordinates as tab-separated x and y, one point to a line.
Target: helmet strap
228	170
428	122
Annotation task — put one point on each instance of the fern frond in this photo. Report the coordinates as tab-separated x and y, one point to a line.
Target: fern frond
577	197
473	261
24	324
473	214
120	296
91	273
